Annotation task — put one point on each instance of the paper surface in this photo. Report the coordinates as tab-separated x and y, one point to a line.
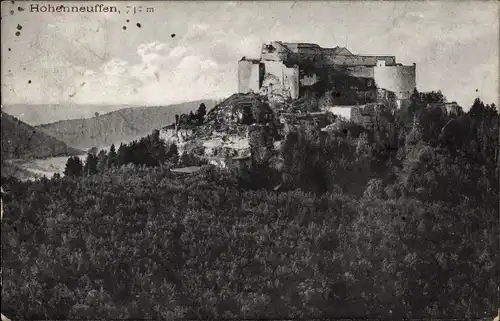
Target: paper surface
267	159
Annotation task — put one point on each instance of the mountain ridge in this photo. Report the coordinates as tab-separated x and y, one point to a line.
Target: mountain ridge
117	126
21	141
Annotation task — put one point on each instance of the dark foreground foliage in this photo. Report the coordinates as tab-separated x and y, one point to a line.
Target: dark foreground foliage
141	243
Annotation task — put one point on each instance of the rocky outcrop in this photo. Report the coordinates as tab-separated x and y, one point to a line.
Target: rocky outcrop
178	136
226	145
224	133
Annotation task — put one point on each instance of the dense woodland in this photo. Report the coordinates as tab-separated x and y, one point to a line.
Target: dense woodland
119	125
396	221
20	140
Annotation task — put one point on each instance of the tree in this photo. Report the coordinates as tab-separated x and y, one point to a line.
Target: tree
139	153
418	102
477	109
304	166
452	134
415	135
432	122
184	160
173	153
90	167
433	97
374	188
414	107
157	148
124	154
73	167
112	157
192	117
202	111
102	161
390	102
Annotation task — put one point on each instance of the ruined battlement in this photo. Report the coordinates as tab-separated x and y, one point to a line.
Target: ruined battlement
288	70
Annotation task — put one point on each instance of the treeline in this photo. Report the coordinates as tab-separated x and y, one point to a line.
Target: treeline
192	118
149	151
420	152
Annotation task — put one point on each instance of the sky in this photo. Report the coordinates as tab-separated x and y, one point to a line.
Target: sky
185	51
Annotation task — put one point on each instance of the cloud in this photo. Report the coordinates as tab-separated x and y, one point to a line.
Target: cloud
164	74
249	46
154	49
196	31
178	51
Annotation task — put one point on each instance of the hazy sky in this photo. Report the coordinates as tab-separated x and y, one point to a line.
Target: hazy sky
87	58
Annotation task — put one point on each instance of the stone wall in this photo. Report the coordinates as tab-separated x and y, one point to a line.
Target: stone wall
342	111
291	81
368	115
296	53
339	60
280	80
307	48
249	76
360	71
454	109
274	51
288	70
356	60
309	122
399	79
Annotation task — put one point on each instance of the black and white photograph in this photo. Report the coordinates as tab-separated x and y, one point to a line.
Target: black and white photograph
250	160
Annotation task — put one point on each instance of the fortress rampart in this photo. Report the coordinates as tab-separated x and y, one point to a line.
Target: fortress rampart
398	79
287	70
250	75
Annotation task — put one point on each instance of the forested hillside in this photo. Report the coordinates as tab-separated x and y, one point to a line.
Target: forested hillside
20	140
117	126
394	222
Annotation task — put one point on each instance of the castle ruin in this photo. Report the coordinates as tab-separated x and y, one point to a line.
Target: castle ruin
292	70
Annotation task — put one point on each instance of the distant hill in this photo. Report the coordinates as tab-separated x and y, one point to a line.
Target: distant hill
37	114
117	126
22	141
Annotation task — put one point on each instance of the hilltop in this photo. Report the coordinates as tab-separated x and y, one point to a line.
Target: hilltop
38	114
20	140
117	126
224	130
